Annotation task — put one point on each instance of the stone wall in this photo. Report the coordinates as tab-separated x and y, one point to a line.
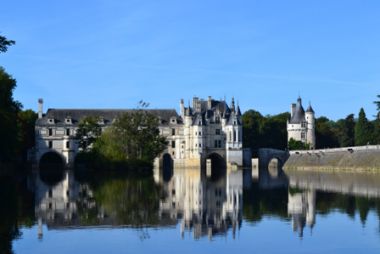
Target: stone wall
366	158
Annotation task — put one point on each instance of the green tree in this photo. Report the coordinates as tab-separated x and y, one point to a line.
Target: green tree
26	134
9	109
5	43
378	103
324	132
345	131
264	131
297	145
363	132
133	136
88	132
252	120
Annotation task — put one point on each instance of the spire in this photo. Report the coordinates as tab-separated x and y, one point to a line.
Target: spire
238	111
310	109
233	104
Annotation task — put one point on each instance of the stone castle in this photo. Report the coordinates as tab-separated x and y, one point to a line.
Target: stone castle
209	129
301	126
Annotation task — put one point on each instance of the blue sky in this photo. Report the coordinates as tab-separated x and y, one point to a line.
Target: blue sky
111	54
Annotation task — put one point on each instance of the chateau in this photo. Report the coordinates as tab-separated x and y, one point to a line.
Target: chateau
301	126
208	129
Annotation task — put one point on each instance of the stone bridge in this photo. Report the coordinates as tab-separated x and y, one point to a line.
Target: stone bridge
268	156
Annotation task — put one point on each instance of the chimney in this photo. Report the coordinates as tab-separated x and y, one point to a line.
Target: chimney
182	108
209	103
292	109
40	107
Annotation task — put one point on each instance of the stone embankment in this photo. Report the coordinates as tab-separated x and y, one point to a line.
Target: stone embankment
355	159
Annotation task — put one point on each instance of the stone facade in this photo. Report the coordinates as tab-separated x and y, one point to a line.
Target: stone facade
209	127
301	126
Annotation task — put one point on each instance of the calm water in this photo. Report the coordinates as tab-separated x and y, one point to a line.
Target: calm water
186	212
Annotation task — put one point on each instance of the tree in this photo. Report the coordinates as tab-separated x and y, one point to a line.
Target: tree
324	132
88	132
297	145
362	130
5	43
378	103
9	109
26	135
345	131
133	136
264	131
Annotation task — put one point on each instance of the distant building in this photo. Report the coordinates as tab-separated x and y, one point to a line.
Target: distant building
208	129
301	126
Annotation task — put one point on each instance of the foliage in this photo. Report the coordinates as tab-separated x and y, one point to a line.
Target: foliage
324	132
5	43
264	131
378	103
297	145
133	136
345	131
362	130
9	110
26	135
88	131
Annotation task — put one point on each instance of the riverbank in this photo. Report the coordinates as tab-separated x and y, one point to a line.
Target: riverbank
356	159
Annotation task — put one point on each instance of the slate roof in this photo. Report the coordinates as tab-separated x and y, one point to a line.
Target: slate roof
299	113
310	109
108	115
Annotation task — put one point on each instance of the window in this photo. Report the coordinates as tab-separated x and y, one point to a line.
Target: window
50	193
200	133
216	143
67	144
234	135
217	131
217	119
173	132
173	144
200	145
50	132
220	143
303	136
234	122
50	144
67	132
303	124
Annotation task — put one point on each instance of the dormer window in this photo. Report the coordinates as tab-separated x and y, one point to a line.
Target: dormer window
51	120
68	120
173	120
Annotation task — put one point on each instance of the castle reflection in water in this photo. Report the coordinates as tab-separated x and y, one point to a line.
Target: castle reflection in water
200	205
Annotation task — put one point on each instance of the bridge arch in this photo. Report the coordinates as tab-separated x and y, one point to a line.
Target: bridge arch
167	166
51	160
272	158
218	165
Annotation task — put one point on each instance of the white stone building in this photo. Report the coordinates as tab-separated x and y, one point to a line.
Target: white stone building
301	126
210	129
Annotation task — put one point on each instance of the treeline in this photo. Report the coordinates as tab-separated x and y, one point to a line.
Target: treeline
16	124
270	131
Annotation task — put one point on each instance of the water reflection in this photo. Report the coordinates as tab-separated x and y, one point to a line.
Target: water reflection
207	207
199	207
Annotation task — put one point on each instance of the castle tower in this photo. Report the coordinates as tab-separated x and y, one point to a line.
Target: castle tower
182	108
301	125
310	119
